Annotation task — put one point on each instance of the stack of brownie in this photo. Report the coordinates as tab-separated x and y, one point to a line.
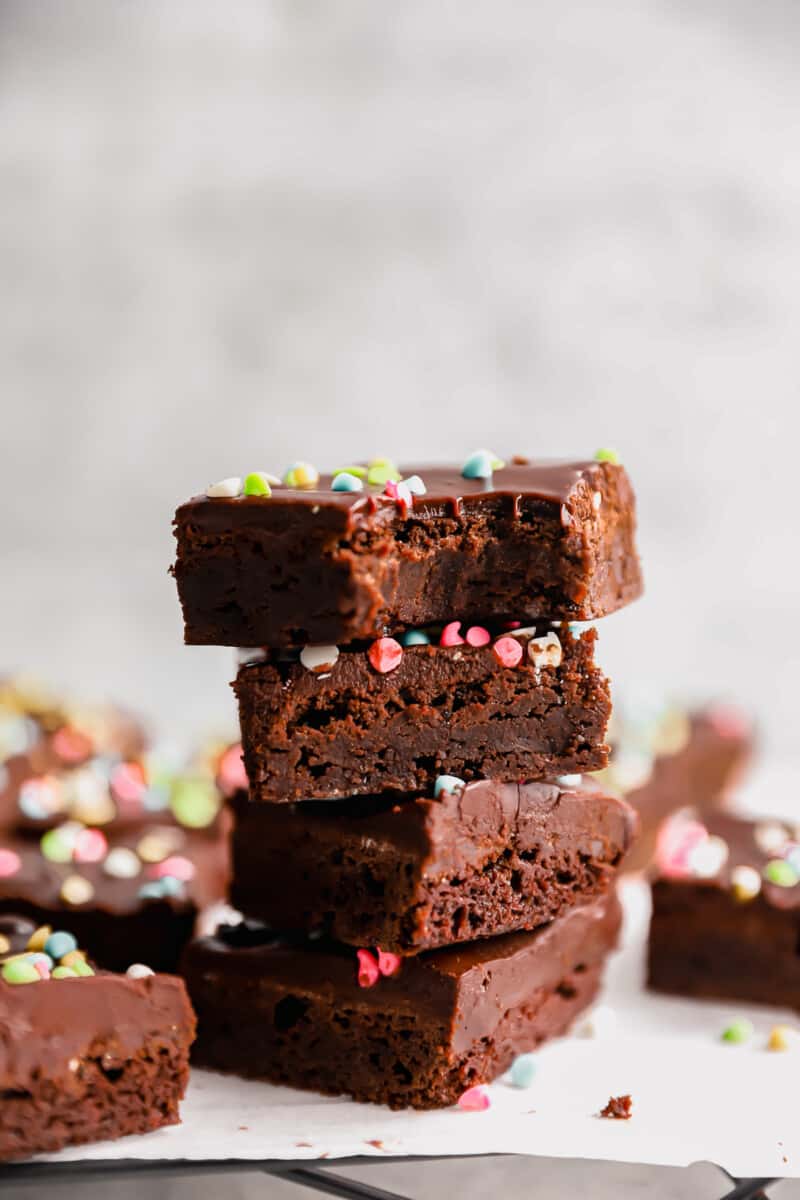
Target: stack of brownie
425	876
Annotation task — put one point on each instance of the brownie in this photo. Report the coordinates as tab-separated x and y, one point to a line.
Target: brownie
353	729
726	910
32	714
87	1058
39	789
675	759
428	1027
136	896
486	859
535	539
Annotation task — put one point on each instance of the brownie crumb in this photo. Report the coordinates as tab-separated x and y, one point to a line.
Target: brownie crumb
619	1108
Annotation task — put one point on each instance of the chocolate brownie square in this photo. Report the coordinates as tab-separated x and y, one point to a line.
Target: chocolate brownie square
317	564
414	1032
414	874
520	704
84	1056
726	910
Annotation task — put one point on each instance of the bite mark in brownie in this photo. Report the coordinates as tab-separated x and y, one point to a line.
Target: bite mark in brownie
541	539
354	730
421	873
293	1012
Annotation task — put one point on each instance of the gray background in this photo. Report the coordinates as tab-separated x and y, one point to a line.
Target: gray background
236	234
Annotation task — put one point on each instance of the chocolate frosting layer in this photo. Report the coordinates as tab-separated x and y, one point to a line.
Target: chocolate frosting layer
46	1028
448	494
465	989
468	826
747	843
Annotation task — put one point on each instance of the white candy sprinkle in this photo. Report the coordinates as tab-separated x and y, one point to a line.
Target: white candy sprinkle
319	659
545	651
138	971
597	500
707	858
122	863
569	781
250	654
415	485
225	488
770	837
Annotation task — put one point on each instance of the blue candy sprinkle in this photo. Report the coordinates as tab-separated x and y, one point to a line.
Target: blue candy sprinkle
481	464
345	482
151	890
60	943
447	783
39	956
415	637
523	1071
478	466
155	799
30	807
170	886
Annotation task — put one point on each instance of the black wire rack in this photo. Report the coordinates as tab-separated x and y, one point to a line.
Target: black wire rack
326	1179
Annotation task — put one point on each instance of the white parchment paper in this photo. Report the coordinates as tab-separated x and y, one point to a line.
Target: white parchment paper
695	1098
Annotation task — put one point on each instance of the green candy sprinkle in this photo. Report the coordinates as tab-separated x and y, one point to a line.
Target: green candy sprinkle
359	472
256	485
64	973
20	970
55	847
738	1031
81	967
609	456
194	802
380	475
781	873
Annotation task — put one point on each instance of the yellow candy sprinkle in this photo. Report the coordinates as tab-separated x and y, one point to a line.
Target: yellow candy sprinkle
71	957
76	890
39	937
156	846
745	883
782	1037
301	475
5	944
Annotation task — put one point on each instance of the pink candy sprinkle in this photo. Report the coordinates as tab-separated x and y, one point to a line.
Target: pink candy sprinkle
90	846
474	1099
451	636
176	865
71	745
728	721
231	773
128	782
388	964
10	863
385	654
507	651
478	636
398	491
42	968
368	970
676	840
